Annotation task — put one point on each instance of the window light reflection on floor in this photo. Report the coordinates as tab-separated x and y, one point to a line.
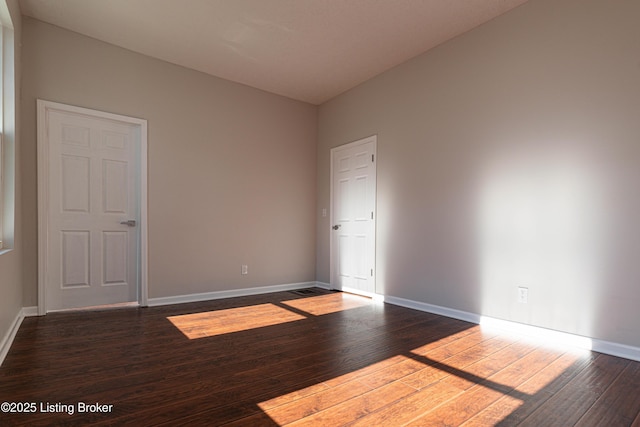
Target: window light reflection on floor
327	304
218	322
335	394
379	386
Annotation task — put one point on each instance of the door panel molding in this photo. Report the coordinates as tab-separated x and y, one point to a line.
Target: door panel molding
78	136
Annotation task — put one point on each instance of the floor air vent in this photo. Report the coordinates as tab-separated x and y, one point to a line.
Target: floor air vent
307	292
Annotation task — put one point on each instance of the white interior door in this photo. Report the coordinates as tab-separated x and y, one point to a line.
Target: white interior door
353	203
90	165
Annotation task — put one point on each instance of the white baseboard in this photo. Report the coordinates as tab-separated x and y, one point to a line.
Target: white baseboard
594	344
179	299
30	311
8	338
323	285
615	349
435	309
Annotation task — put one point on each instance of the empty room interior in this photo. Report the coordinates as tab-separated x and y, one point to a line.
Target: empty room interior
317	212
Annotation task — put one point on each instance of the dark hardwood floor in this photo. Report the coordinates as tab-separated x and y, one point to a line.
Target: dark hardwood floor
321	359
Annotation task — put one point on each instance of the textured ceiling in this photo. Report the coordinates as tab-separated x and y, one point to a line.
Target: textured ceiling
310	50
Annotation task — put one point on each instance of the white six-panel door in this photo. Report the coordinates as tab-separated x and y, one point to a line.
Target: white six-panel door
92	224
353	202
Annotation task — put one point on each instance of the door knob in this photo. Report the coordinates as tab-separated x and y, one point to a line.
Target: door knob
130	222
335	227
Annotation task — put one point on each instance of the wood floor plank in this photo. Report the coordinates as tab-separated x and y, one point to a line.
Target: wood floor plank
616	406
392	373
570	403
293	396
309	405
410	407
355	408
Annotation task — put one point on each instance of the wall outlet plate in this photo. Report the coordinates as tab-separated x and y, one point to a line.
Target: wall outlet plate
523	295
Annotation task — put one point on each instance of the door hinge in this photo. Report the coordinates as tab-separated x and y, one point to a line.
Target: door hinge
372	272
372	158
372	215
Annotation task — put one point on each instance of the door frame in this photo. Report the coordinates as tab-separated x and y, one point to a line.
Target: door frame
43	109
332	266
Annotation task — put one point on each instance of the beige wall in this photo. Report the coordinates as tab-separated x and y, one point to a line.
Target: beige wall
509	156
11	262
231	168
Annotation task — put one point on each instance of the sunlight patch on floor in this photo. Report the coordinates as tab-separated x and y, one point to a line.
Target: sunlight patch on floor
503	379
424	349
218	322
334	393
327	304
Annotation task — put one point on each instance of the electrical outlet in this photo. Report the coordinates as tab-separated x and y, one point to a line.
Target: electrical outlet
523	295
245	269
324	212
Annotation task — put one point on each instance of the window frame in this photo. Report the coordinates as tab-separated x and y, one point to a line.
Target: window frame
2	180
2	146
8	111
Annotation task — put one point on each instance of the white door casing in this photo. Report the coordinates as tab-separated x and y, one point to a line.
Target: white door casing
91	182
353	216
